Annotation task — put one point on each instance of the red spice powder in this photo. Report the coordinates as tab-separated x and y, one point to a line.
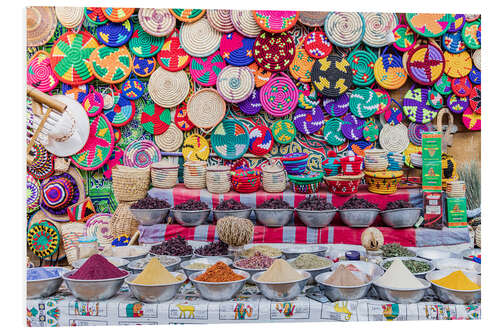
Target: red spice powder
220	272
97	268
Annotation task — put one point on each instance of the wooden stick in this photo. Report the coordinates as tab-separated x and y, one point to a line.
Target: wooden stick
134	238
45	99
38	130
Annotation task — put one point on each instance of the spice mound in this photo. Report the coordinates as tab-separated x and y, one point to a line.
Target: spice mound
97	268
220	272
164	260
191	205
347	276
150	203
154	273
217	248
265	250
457	281
358	203
257	261
399	277
398	204
315	203
274	204
231	204
414	266
197	266
280	271
175	246
395	250
42	273
310	261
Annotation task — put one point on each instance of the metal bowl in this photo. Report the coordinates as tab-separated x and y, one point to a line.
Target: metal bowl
313	271
183	258
358	218
470	252
342	293
154	293
131	258
243	213
251	271
432	254
418	275
134	267
273	217
401	218
293	252
219	291
316	218
44	287
94	290
457	264
447	295
281	291
207	260
402	296
196	255
190	218
150	216
118	262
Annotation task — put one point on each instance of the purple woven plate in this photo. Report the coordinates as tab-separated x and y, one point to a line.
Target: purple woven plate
457	104
416	106
457	22
352	128
308	121
251	105
415	132
337	107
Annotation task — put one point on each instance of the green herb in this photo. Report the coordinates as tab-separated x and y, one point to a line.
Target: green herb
413	266
395	250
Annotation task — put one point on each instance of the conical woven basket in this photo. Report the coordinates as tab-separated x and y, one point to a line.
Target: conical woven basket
122	221
130	184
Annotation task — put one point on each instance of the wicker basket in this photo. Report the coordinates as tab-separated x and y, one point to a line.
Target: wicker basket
122	221
274	176
477	236
343	185
383	182
376	160
70	233
164	174
130	184
195	174
218	179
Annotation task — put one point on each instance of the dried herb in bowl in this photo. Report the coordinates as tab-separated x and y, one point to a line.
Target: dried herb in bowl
413	266
396	250
358	203
398	204
315	203
150	203
231	204
175	246
217	248
191	205
274	204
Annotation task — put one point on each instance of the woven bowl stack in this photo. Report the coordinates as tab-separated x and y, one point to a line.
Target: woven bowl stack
246	180
307	182
273	176
218	179
331	166
295	163
455	189
195	174
376	160
164	174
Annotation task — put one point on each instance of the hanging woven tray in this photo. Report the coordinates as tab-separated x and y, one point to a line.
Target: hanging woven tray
168	89
429	25
158	22
345	29
206	108
416	106
143	44
117	14
336	107
199	39
172	56
274	52
195	148
110	64
40	74
378	28
155	119
230	139
284	131
205	70
235	84
244	22
220	20
457	65
236	49
187	15
276	20
332	76
141	154
115	34
394	138
170	140
279	96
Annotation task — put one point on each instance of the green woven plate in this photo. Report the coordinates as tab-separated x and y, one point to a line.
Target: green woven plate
364	102
333	132
230	139
284	131
143	44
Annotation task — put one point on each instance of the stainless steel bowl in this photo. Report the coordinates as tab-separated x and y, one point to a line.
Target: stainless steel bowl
358	218
314	271
150	216
219	291
207	260
44	287
190	218
342	293
447	295
134	266
295	251
94	290
457	264
118	262
144	249
243	213
470	252
281	291
154	293
402	296
273	217
316	218
431	254
401	218
183	258
418	275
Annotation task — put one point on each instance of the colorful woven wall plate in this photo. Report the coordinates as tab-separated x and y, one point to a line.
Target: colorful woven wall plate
457	104
77	92
172	56
416	106
471	34
260	75
117	14
230	139
425	64
301	65
333	132
95	15
475	99
471	120
276	20
308	97
331	76
394	114
389	71
43	163
457	22
235	84
404	38
453	43
429	25
93	103
99	145
475	75
115	34
110	64
384	100
274	52
378	26
187	15
261	140
279	96
308	121
312	18
158	22
457	65
359	147
195	148
415	132
362	64
43	239
40	74
284	131
435	99
70	55
155	119
133	89
363	102
345	29
123	111
206	108
236	49
181	118
251	105
143	67
317	45
169	89
336	107
143	44
370	131
199	39
32	194
443	85
141	154
352	127
461	86
99	226
205	70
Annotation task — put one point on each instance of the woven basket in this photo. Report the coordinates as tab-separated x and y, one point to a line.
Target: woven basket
477	236
218	179
376	160
122	221
274	176
351	165
343	185
164	174
195	174
383	182
70	234
130	184
170	140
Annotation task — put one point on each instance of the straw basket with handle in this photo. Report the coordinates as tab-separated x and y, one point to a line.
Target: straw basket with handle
218	178
130	184
273	176
195	174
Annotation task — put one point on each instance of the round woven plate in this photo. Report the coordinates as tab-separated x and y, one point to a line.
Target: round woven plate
404	38
309	121
457	65
110	64
471	34
70	55
336	107
476	57
260	75
457	104
40	74
443	85
360	147
362	63
170	140
143	67
394	138
95	15
230	139
352	127
260	140
384	100
251	105
244	22
205	70
155	119
389	71
99	226
317	45
43	239
235	84
425	64
457	22
475	99
99	145
143	44
133	89
284	131
157	22
461	86
333	132
77	92
435	99
416	106
378	26
41	23
123	111
308	97
276	20
394	114
206	108
32	194
344	29
475	75
331	76
132	131
117	14
429	25
220	20
115	34
43	163
199	39
471	120
141	154
363	102
453	43
187	15
274	52
236	49
70	17
279	96
312	19
301	65
181	118
370	131
415	132
172	56
195	148
168	89
93	103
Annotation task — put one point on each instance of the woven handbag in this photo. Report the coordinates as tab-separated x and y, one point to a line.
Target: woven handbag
130	184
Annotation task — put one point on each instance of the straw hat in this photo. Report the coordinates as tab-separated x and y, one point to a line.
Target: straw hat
199	39
70	17
47	238
41	23
168	89
157	22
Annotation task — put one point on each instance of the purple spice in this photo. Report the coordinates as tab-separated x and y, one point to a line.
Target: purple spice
150	203
315	203
358	203
258	261
274	204
217	248
191	205
231	204
175	246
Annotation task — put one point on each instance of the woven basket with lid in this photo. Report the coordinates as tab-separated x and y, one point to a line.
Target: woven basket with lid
130	184
218	179
164	174
195	174
274	178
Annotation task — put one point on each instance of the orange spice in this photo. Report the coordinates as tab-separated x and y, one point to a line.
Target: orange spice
220	272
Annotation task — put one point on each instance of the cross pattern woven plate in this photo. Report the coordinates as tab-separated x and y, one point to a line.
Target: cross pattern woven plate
425	64
276	20
274	52
416	106
141	154
333	132
363	102
429	25
115	34
230	139
205	70
143	44
172	56
279	96
236	49
110	64
332	76
284	131
317	45
123	111
309	121
195	148
336	107
40	74
155	119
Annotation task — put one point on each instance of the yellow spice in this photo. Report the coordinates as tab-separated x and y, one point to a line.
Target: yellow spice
155	273
458	281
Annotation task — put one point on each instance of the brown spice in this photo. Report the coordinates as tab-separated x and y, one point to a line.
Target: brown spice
220	272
